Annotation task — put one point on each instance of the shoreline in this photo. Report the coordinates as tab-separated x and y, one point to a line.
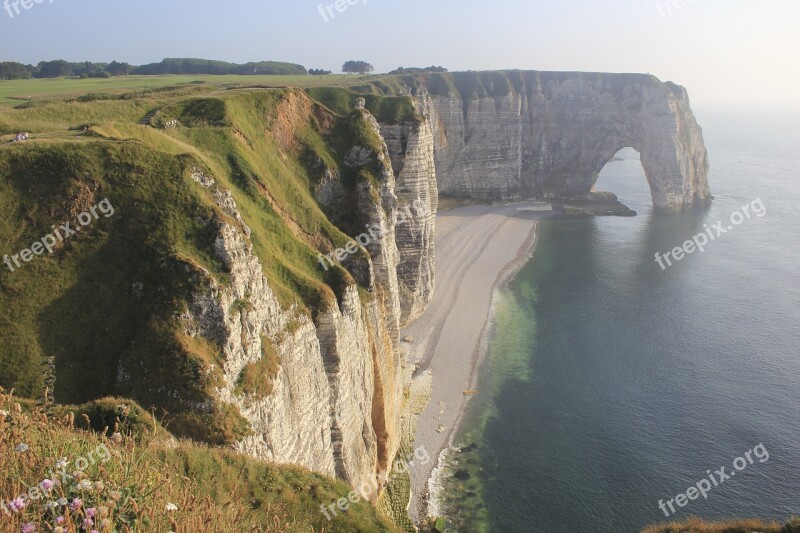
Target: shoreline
486	245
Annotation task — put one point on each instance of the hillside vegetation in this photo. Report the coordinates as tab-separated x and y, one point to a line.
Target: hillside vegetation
131	477
696	525
111	295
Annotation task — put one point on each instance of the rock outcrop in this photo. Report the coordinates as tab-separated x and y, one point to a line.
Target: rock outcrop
411	151
549	134
337	398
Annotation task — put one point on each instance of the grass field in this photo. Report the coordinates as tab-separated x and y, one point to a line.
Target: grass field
13	91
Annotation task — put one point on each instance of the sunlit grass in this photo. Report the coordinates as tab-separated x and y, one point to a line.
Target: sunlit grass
134	477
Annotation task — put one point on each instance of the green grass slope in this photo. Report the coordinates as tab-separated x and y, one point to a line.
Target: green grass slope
134	480
109	297
105	304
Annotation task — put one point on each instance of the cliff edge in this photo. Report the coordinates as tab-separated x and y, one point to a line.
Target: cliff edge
548	135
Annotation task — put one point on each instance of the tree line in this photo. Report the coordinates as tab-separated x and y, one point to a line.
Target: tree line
205	66
357	67
11	70
417	70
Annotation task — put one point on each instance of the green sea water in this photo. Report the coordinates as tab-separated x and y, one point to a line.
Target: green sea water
611	384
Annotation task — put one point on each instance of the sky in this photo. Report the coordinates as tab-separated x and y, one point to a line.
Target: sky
724	51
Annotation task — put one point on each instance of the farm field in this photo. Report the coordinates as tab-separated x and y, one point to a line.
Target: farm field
16	91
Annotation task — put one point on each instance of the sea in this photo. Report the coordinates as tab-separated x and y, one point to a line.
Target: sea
612	386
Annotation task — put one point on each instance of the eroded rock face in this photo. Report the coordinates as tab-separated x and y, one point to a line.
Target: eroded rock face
551	136
345	342
337	399
411	151
292	425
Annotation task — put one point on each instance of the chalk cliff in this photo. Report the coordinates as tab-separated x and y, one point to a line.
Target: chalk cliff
548	134
411	150
320	411
337	397
242	337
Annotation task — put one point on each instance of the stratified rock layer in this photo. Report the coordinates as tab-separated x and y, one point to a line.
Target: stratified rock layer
411	150
549	134
338	398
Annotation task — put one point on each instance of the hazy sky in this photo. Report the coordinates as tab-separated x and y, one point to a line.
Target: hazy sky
724	51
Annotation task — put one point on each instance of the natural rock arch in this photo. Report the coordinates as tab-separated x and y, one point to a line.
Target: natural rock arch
552	134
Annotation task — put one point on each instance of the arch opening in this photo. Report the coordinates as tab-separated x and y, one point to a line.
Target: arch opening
624	176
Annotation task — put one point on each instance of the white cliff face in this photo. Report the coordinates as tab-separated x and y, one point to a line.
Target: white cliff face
552	135
344	336
337	399
285	430
411	151
378	208
323	407
383	214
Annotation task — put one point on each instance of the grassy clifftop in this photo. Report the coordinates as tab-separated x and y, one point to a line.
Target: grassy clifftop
105	301
110	296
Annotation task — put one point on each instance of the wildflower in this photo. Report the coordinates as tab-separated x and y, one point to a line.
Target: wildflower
115	495
17	505
29	528
47	485
85	484
78	475
50	505
62	463
90	512
62	502
99	485
76	504
59	529
171	507
102	511
22	448
88	523
60	520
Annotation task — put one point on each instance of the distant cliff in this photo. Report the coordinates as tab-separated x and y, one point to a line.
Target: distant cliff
549	134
